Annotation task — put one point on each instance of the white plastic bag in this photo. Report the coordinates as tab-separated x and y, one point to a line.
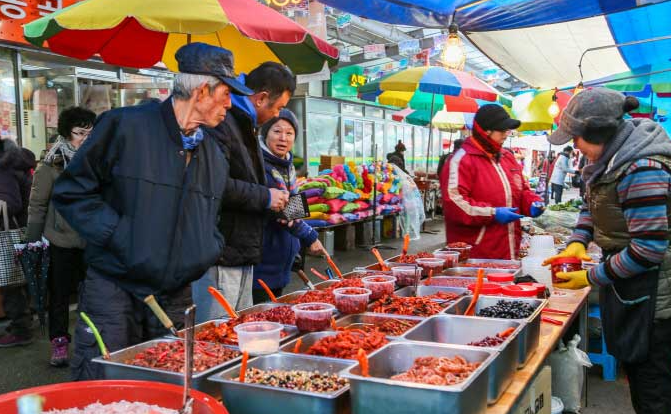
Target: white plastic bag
568	374
412	215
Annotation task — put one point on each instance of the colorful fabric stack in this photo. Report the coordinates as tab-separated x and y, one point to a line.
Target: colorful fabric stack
345	193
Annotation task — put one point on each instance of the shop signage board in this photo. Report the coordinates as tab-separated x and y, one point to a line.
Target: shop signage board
343	20
375	51
16	13
345	82
409	47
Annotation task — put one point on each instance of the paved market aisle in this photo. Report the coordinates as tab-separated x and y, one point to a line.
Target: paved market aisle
24	367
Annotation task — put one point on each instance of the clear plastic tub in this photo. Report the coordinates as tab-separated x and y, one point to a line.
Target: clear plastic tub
379	285
451	258
434	264
406	275
259	338
313	316
359	272
464	250
351	299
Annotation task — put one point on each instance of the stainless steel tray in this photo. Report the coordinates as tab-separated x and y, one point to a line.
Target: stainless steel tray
378	394
423	290
245	398
260	308
473	271
465	279
307	341
374	318
291	330
461	330
530	333
445	310
517	263
115	368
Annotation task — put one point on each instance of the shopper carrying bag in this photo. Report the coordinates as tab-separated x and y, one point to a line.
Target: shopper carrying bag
10	270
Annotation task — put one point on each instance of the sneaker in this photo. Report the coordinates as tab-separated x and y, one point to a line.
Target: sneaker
59	352
9	340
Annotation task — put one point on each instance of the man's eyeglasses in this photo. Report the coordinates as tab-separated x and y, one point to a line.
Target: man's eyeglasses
81	132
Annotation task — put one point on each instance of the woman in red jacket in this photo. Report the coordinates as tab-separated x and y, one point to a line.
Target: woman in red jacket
484	191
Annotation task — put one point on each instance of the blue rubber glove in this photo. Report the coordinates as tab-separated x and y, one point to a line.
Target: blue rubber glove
537	208
505	215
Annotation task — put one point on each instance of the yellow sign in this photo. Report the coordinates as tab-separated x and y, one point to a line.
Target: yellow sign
357	80
282	3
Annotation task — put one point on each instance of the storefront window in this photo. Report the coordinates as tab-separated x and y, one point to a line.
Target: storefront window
409	146
348	139
379	140
367	153
322	138
8	128
47	89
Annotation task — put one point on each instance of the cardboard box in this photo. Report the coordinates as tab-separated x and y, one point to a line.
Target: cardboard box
329	161
537	399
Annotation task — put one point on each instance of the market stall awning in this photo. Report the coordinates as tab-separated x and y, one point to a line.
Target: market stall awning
142	33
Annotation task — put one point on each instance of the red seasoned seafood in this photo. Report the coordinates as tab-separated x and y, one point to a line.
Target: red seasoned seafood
390	327
415	306
410	258
222	333
326	295
169	356
438	370
346	344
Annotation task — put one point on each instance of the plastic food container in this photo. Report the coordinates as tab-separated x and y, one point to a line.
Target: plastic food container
379	286
313	316
406	275
463	249
451	258
360	272
565	264
259	338
501	278
519	291
434	264
540	288
487	288
351	299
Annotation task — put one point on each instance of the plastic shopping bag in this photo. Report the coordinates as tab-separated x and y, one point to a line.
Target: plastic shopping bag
413	214
568	373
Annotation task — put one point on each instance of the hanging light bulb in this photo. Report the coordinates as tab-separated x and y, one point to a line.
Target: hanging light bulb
553	109
454	54
579	88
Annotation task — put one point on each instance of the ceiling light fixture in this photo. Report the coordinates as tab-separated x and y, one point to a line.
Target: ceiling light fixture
454	53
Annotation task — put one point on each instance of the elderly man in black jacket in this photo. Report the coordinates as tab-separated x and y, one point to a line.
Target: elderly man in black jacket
144	192
247	198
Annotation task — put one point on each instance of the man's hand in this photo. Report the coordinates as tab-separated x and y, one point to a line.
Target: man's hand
278	199
317	248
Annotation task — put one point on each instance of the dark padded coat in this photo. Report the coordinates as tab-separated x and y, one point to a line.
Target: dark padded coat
246	199
149	220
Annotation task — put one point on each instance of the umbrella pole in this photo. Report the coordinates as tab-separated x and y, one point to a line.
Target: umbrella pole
428	155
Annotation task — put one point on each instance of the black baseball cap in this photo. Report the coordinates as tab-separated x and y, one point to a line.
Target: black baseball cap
493	117
203	59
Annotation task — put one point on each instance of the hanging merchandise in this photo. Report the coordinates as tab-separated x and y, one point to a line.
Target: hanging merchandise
375	51
413	214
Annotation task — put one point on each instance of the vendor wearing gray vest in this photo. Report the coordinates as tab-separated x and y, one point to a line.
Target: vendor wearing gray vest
627	214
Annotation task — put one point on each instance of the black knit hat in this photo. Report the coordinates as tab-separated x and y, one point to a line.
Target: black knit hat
285	114
493	117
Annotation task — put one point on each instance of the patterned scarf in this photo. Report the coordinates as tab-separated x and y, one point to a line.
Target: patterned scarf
286	179
485	143
61	148
191	141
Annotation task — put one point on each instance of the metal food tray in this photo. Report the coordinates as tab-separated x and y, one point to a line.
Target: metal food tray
378	394
530	333
307	341
445	310
291	330
517	263
467	279
115	368
423	290
473	271
260	308
363	318
461	330
245	398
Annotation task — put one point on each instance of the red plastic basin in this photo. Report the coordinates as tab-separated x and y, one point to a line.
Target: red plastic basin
80	394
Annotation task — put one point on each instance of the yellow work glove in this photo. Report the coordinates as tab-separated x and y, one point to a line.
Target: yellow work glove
573	280
574	249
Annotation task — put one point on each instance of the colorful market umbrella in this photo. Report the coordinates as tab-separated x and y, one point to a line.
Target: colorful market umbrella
531	108
142	33
449	121
645	79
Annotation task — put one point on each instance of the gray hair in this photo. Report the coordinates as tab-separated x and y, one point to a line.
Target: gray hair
185	83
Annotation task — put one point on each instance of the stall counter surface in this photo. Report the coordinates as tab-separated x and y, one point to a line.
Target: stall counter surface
575	303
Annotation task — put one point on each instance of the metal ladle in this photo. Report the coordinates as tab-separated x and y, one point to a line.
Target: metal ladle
189	321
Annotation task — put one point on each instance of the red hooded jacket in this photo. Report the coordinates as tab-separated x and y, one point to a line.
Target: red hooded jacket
473	184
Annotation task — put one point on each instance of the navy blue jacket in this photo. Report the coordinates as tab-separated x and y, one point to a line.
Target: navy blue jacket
280	243
149	220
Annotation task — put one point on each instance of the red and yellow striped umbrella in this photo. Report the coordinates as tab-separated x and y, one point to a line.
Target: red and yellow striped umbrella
141	33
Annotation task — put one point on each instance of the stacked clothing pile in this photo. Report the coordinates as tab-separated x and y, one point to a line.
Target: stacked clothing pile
345	193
